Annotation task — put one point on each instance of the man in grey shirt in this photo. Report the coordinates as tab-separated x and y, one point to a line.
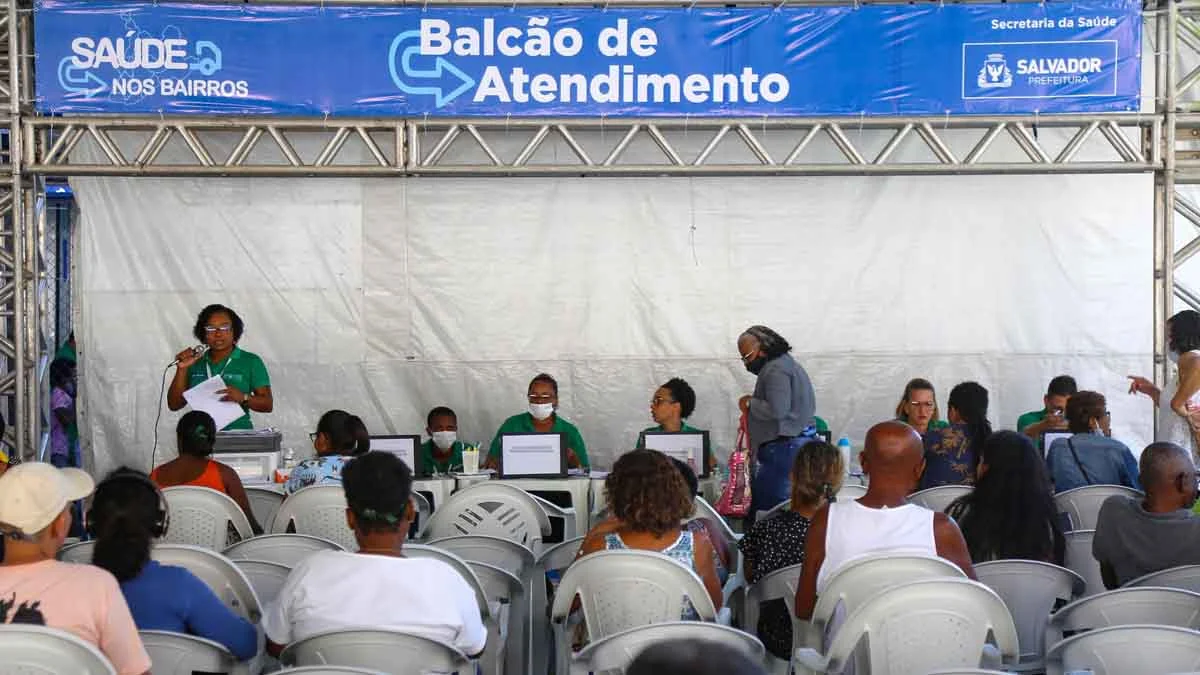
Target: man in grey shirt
1139	536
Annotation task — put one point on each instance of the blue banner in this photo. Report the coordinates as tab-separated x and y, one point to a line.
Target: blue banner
103	56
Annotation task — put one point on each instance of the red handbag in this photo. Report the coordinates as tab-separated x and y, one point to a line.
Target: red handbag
735	496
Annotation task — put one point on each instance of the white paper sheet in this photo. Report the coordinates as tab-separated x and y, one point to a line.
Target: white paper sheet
404	448
531	455
687	448
1050	436
204	397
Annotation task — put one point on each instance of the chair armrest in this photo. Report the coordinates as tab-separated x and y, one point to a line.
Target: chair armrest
725	617
807	660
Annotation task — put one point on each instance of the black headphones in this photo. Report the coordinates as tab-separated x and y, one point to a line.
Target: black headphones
162	515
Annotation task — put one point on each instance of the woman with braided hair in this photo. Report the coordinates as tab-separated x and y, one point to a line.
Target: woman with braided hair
778	541
376	586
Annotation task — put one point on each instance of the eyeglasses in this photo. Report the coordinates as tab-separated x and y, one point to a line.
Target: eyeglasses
658	400
541	398
921	404
224	328
747	357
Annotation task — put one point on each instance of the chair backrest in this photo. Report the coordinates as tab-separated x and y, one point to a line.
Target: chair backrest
319	510
925	625
328	670
1126	607
79	552
1186	577
617	651
503	553
624	589
858	581
266	577
565	514
494	509
393	652
202	516
967	671
217	572
38	650
560	556
499	585
778	585
939	498
459	565
851	491
264	502
781	506
285	549
1120	650
180	654
706	510
1079	559
424	511
1031	590
1082	504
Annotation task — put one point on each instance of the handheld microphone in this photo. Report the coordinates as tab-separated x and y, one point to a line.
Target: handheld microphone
198	350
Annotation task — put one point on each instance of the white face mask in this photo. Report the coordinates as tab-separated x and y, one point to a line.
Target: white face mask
444	439
1173	355
541	411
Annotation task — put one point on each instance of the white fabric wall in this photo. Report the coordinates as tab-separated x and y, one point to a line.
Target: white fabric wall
387	297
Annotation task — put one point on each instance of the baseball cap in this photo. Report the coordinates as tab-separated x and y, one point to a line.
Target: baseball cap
33	494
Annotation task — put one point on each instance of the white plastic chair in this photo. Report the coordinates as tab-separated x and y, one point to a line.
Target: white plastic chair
79	552
328	670
624	589
217	572
921	626
615	652
778	585
1082	504
1079	559
202	516
505	650
781	506
566	513
555	559
264	503
939	498
1126	607
860	580
493	509
393	652
1126	650
266	577
1186	577
967	671
1031	590
706	510
319	510
285	549
424	511
181	654
494	620
850	491
38	650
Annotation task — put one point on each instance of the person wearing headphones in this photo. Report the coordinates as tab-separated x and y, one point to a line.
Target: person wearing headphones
196	433
35	516
128	513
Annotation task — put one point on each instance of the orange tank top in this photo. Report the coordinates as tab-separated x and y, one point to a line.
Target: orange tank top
209	478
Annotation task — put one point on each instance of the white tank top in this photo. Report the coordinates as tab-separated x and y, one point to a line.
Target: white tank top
855	531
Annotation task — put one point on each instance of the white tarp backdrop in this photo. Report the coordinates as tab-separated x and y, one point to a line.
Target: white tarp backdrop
386	297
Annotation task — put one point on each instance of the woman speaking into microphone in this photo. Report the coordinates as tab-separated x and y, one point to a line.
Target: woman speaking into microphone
246	381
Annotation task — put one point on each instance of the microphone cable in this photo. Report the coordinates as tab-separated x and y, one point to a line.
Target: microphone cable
162	391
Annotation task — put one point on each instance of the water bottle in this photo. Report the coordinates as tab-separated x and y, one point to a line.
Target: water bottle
289	458
844	447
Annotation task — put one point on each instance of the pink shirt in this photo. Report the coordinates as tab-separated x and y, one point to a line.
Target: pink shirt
80	599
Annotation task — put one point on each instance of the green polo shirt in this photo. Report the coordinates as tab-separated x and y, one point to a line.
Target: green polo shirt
523	424
431	463
1030	418
683	428
241	369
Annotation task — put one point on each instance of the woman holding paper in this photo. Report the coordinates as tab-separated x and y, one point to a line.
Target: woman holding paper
242	373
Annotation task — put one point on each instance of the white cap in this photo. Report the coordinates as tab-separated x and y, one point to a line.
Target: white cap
33	494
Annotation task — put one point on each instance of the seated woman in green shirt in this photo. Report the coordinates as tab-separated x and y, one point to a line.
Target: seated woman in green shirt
443	451
918	407
245	376
542	418
673	403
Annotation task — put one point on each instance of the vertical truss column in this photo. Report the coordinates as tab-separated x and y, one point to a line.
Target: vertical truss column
1166	93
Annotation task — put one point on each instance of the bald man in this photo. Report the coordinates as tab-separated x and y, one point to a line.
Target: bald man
881	521
1136	536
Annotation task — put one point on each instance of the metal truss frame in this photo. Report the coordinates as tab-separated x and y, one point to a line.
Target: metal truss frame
1165	143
